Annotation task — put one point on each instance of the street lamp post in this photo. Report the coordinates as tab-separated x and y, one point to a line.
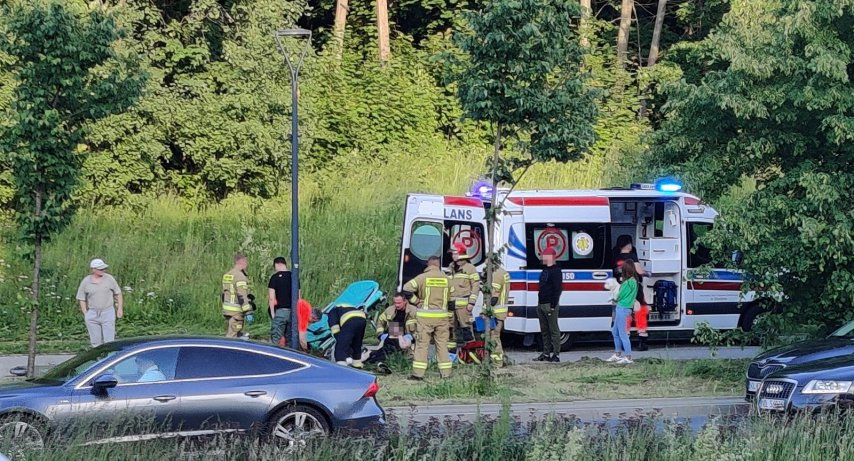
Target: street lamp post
294	68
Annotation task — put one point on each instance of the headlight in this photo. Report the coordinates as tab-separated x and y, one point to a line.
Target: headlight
820	386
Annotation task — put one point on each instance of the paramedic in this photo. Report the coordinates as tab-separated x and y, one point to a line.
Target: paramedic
624	254
498	301
317	331
236	302
433	289
348	325
401	312
279	301
548	308
466	283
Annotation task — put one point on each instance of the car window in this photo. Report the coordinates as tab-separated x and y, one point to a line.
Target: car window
217	362
847	331
147	367
78	364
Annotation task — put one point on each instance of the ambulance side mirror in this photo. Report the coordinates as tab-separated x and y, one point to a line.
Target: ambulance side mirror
737	257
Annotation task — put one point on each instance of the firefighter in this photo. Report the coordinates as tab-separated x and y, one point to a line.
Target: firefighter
498	301
348	324
400	312
433	290
237	303
466	283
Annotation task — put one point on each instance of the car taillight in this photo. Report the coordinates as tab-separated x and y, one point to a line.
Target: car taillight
372	390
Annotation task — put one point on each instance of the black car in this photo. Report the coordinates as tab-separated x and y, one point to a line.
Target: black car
811	387
839	343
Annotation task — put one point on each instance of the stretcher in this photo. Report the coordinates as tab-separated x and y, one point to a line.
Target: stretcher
364	294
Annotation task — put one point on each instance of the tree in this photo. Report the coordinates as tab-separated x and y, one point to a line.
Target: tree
584	23
382	31
341	8
776	107
623	33
519	70
656	33
68	73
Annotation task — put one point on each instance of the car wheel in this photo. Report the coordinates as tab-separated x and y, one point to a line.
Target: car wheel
565	342
21	435
296	424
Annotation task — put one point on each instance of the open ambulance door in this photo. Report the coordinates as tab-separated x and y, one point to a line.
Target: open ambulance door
432	224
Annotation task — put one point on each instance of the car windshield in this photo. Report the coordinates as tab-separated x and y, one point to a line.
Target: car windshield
847	331
78	364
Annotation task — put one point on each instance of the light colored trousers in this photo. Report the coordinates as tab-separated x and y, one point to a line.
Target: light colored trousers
101	324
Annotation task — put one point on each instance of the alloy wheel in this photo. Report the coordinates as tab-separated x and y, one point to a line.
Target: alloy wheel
297	427
20	438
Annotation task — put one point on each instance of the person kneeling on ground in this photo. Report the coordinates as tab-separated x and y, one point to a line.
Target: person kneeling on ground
393	342
348	325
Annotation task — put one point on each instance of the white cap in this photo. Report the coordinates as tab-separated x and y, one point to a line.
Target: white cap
99	264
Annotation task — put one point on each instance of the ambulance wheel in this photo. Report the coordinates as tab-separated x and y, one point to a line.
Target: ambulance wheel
749	317
565	342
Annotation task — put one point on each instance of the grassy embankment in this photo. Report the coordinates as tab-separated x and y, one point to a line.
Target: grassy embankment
554	439
170	257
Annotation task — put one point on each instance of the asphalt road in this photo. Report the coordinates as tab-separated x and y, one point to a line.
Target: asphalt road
688	408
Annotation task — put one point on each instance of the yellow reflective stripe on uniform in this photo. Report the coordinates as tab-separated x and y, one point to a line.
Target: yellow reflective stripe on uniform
499	310
335	329
247	307
352	314
241	284
229	308
436	282
445	365
432	315
411	322
420	365
227	278
461	302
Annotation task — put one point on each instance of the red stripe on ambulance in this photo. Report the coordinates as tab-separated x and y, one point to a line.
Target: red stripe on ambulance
560	201
463	201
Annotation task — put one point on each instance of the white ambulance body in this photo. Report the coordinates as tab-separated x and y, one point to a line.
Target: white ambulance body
583	227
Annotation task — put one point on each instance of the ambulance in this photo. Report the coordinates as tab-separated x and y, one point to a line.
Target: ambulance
583	226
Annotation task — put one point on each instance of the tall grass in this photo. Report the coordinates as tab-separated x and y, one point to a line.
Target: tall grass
827	437
170	255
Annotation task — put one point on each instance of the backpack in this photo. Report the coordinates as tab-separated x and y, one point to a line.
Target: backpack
664	297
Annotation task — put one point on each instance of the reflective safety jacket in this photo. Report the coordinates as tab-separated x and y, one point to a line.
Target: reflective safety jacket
389	314
500	292
434	288
340	315
235	292
466	283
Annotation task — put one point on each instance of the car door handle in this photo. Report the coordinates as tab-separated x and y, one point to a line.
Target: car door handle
255	393
164	398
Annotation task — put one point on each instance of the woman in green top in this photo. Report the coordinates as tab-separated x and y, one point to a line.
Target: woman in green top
625	303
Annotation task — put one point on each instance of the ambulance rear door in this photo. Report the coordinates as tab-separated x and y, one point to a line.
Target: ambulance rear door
432	224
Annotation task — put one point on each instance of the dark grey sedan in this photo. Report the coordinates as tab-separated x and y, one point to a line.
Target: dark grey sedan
188	386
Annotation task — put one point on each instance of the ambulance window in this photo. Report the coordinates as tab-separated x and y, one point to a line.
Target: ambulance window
698	255
426	240
578	245
469	233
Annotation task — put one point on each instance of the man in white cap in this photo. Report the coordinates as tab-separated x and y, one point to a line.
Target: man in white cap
101	303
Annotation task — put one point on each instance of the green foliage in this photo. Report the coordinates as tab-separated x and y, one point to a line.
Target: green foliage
777	108
66	73
521	69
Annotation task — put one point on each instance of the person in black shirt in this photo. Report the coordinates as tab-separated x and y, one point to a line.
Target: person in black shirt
625	254
279	300
551	287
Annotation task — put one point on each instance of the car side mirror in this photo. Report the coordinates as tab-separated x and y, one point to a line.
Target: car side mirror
737	257
104	382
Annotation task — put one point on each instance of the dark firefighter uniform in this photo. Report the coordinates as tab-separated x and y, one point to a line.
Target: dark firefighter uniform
498	301
466	283
432	288
347	324
406	318
236	302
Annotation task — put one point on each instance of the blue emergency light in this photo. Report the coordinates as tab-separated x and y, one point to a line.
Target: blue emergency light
482	190
668	185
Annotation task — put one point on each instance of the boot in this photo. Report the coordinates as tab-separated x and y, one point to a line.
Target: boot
642	346
543	358
554	358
